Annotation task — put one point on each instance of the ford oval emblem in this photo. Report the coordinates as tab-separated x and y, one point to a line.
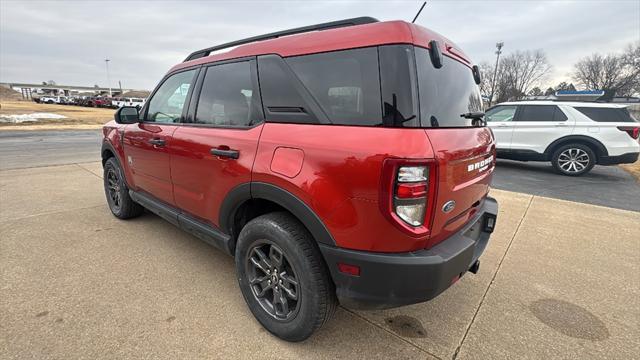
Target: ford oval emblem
448	206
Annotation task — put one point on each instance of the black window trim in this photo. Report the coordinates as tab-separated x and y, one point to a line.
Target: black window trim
193	101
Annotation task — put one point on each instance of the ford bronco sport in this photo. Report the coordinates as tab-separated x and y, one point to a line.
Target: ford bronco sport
342	162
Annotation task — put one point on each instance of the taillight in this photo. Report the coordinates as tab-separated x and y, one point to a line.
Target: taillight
633	131
408	193
410	200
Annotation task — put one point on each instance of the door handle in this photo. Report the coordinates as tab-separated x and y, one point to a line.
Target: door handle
157	142
502	125
225	153
561	125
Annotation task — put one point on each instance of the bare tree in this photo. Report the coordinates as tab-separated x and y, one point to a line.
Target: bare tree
614	73
563	86
486	74
536	92
520	71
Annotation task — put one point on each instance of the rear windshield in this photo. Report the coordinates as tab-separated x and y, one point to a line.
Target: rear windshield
607	114
445	93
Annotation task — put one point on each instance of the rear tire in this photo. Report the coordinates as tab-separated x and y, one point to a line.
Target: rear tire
573	159
117	192
278	262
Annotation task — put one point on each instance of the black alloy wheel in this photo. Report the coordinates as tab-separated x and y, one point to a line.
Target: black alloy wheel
273	280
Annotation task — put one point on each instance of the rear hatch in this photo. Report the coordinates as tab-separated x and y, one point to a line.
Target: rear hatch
465	153
466	160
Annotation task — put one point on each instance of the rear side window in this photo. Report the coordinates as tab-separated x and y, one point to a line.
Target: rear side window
540	113
607	114
226	98
346	84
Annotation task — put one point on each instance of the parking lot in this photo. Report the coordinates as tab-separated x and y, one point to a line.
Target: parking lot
558	280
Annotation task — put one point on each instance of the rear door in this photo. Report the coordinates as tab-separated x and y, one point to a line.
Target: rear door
537	126
146	144
213	151
500	120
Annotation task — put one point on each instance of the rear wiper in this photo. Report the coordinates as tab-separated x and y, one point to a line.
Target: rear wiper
473	115
478	118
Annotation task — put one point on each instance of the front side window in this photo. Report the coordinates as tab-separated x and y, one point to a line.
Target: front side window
167	103
500	114
445	93
227	96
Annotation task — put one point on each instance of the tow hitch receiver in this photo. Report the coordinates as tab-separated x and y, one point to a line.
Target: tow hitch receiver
475	267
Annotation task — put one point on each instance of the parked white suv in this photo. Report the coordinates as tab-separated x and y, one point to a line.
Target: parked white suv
135	102
574	136
51	99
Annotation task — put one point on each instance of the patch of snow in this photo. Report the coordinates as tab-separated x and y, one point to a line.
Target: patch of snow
29	117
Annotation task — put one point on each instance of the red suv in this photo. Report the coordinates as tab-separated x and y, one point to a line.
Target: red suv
342	162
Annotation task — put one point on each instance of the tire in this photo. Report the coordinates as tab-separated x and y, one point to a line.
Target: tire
117	193
280	236
573	159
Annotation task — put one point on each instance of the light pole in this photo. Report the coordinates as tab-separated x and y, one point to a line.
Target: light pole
495	72
106	61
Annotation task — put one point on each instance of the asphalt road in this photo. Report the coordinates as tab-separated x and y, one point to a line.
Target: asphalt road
605	185
25	149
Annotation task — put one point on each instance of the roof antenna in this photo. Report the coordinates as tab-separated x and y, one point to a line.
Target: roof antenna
419	11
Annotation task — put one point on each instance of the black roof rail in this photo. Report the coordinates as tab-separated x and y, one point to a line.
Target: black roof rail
324	26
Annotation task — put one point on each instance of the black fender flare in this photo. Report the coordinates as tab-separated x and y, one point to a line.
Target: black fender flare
601	150
265	191
106	146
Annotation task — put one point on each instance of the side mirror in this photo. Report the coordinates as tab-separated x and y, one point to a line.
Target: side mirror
126	115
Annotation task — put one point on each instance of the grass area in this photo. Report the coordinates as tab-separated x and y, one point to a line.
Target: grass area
634	169
83	117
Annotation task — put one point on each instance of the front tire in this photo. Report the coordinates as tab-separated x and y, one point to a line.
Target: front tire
115	188
573	159
282	276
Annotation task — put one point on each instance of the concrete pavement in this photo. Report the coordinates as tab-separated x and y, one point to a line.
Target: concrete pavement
558	280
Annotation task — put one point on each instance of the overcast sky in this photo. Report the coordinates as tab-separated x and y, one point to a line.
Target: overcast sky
67	41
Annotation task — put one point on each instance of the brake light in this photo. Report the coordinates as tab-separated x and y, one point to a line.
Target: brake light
633	131
408	193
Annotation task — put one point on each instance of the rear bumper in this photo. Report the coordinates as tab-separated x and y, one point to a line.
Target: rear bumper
392	280
627	158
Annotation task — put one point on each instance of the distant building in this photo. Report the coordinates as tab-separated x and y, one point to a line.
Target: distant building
29	90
